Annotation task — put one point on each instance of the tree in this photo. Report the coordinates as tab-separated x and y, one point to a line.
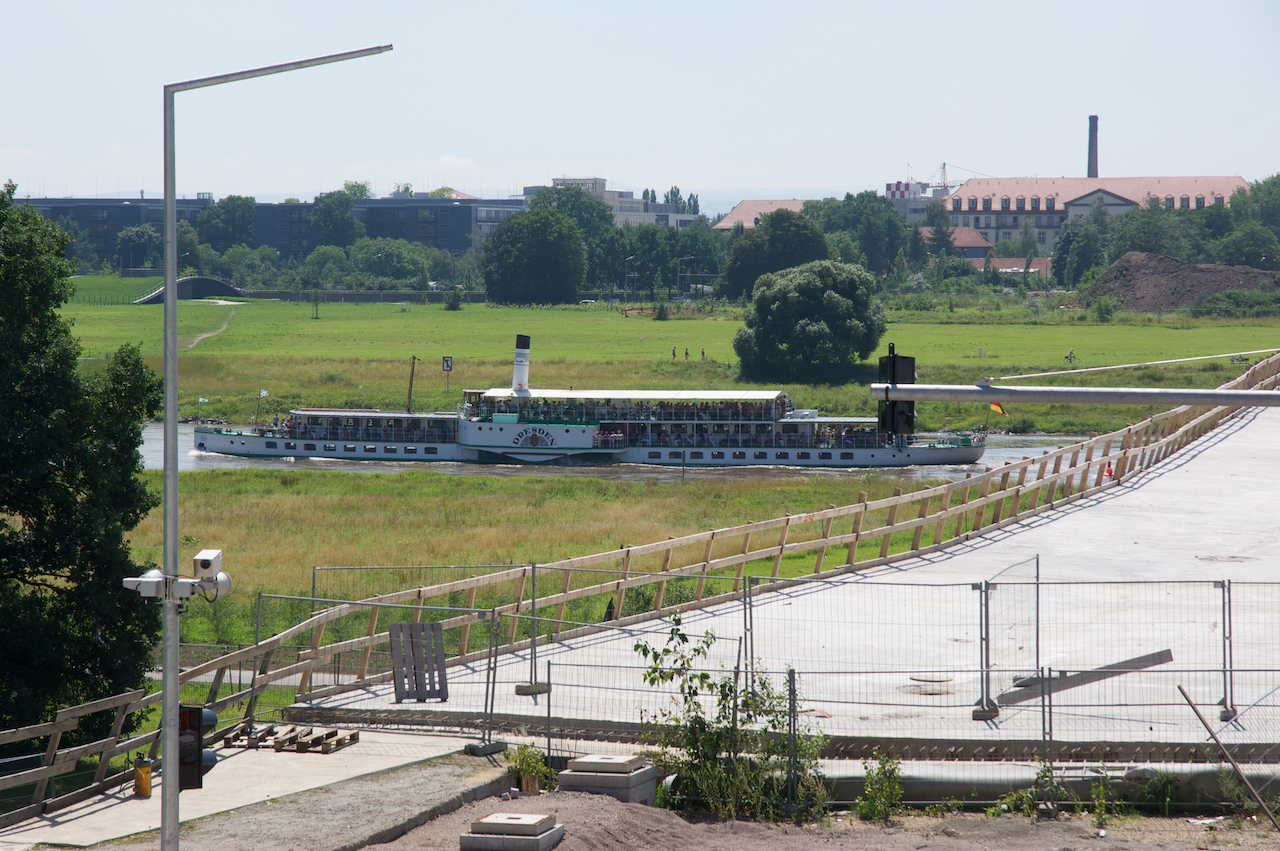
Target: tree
137	246
1146	230
332	219
783	240
592	215
1251	244
402	189
810	324
691	205
1085	253
674	198
228	222
442	192
917	253
359	190
80	250
535	258
188	245
69	492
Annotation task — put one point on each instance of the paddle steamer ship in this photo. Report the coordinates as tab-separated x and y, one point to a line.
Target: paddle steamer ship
523	425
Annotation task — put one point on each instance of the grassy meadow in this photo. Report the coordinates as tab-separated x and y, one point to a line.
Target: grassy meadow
274	526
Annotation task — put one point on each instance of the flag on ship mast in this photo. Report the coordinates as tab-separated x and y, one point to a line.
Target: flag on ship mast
263	392
995	406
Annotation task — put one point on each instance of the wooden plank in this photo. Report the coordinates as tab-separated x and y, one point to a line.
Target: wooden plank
304	683
939	528
464	641
852	556
662	584
888	525
564	589
37	731
982	504
706	560
622	588
742	564
397	636
519	597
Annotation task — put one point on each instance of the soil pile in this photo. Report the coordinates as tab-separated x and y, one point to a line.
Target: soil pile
1147	283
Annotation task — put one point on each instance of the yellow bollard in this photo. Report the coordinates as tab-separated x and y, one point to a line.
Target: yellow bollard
142	778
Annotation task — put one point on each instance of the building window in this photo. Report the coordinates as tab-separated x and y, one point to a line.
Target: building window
986	235
655	454
1008	235
1049	203
1186	203
1168	202
973	204
802	456
1004	203
955	221
782	456
1040	237
1035	204
988	224
1038	218
1004	220
955	205
1015	221
1219	201
1199	202
986	203
1022	204
966	221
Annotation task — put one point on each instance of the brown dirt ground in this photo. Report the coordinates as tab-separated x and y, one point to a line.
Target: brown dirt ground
595	823
1147	283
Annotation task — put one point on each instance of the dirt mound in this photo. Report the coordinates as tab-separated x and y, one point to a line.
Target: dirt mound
1147	283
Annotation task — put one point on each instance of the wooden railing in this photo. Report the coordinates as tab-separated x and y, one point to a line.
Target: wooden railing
839	539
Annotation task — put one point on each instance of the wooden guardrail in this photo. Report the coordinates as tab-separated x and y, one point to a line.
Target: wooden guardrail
839	539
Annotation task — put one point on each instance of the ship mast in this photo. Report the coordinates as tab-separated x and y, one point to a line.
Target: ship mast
413	361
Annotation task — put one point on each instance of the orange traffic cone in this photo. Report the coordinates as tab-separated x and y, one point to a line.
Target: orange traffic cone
1108	473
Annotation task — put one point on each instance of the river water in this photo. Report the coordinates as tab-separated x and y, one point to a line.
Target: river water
1001	449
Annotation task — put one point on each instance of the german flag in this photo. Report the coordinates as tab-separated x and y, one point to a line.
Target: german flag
995	406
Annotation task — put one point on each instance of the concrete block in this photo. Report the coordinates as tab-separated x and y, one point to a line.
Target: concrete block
637	787
514	824
607	763
503	842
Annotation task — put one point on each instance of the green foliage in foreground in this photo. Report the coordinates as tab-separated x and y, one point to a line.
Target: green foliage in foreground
881	797
734	759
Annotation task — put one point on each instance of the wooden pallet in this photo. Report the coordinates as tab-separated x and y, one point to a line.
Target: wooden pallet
293	738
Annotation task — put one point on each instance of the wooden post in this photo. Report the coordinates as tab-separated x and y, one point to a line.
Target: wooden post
922	514
304	681
515	619
982	503
564	589
888	524
368	648
998	509
746	548
822	550
939	528
662	584
962	518
622	587
1017	490
464	640
782	543
706	562
417	613
1071	474
857	528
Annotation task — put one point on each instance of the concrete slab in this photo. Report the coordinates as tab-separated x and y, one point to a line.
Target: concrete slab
241	777
514	824
498	842
607	763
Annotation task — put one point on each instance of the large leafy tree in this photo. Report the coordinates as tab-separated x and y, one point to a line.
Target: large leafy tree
332	219
69	491
228	222
137	246
535	258
811	324
592	215
784	239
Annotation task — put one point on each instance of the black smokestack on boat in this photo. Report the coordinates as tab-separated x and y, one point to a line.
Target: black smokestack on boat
1093	146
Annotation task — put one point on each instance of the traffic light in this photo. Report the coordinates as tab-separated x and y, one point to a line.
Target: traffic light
193	759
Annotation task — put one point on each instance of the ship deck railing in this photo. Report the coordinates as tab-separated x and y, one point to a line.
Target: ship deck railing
386	435
594	415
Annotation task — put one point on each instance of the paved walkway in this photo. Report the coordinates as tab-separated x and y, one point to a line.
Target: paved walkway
895	651
242	777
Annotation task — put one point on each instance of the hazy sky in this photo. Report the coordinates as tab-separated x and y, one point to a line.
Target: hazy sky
729	100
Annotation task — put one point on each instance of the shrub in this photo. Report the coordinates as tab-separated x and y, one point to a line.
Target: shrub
882	792
453	299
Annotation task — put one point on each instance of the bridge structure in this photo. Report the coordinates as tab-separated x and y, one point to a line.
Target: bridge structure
195	286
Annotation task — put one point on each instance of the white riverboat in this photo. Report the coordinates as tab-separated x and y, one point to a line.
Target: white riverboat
523	425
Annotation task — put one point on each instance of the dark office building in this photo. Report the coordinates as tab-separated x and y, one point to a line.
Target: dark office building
104	218
440	223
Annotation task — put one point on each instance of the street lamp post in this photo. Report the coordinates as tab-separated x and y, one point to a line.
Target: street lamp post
627	278
679	291
169	646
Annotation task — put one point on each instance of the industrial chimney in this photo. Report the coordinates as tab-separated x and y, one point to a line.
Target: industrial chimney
1093	146
520	372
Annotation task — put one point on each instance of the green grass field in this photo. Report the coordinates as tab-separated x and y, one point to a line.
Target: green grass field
273	526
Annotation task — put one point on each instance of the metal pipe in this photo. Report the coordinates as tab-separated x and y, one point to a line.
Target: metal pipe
987	393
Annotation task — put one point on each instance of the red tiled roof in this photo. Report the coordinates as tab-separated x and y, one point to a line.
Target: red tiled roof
1010	265
1066	189
748	211
961	237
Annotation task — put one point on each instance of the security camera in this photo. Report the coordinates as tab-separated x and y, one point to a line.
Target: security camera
149	584
207	564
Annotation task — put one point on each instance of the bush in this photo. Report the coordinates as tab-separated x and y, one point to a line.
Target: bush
453	299
882	791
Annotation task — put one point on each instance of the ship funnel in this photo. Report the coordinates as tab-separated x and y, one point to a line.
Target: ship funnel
520	373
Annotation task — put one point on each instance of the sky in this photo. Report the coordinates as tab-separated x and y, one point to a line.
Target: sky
728	100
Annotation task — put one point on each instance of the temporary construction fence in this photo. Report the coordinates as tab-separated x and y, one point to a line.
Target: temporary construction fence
692	572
